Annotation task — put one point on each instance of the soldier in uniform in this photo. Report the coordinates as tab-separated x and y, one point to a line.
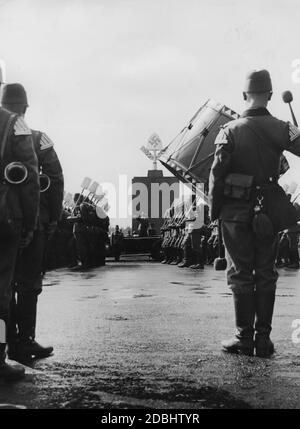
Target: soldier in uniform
165	235
186	246
212	243
117	242
101	226
29	267
82	236
167	239
181	224
251	147
293	240
197	238
23	199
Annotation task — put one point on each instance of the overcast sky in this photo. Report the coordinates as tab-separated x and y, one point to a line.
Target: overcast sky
102	75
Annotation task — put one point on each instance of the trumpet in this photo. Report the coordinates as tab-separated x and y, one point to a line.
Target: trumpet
15	173
45	182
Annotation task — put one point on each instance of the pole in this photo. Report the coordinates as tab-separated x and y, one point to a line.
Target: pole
155	159
293	115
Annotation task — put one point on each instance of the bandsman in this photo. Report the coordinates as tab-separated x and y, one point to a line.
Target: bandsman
29	268
246	166
23	203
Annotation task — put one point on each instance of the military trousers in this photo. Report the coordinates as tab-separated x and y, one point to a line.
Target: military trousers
9	247
29	267
251	261
83	245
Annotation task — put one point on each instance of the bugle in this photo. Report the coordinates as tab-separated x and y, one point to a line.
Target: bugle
15	173
45	182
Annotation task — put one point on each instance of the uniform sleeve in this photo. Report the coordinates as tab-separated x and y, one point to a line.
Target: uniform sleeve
29	191
219	170
292	139
52	168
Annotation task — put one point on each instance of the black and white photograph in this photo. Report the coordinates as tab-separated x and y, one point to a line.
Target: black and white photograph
149	207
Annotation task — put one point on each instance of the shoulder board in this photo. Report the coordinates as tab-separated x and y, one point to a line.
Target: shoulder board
45	142
222	137
294	132
21	128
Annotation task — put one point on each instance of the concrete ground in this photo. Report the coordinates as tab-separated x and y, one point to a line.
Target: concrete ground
138	334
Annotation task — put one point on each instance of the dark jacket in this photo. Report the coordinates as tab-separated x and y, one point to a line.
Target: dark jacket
51	200
24	198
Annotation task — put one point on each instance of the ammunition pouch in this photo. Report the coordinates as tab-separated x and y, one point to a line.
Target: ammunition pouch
238	186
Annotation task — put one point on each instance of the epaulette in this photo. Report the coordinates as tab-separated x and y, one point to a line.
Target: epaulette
222	137
45	142
294	132
21	128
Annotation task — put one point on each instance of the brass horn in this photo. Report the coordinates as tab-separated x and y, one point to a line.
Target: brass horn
15	173
45	182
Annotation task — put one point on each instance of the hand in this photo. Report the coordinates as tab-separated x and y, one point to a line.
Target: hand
26	239
51	228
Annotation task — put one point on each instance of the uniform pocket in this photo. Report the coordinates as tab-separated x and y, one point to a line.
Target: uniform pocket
237	211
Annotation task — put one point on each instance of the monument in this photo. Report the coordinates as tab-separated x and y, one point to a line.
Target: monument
153	194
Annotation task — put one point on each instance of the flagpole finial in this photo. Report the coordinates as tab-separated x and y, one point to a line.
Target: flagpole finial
153	149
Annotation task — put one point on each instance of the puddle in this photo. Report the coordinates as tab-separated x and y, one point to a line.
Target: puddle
142	295
117	318
90	297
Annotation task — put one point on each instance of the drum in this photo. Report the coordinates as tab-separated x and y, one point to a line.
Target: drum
190	156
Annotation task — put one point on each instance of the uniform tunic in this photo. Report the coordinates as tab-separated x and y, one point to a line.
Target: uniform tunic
23	199
30	263
251	145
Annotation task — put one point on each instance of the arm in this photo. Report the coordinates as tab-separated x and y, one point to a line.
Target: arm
52	168
219	170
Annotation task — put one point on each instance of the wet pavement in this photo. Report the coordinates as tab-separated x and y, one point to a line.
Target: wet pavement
139	334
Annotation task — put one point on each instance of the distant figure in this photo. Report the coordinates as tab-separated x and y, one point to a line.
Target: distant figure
143	227
151	230
117	242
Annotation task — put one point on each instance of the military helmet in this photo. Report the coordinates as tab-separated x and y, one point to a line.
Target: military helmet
14	93
258	81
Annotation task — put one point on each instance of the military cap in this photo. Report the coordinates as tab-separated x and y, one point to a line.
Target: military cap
14	93
258	81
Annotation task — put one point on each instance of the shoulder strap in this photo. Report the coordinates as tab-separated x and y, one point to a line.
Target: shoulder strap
5	135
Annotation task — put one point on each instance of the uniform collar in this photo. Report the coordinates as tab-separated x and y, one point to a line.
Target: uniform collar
260	111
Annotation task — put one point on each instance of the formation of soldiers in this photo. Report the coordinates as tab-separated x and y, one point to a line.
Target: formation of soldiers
288	245
189	239
81	238
90	233
288	250
185	243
